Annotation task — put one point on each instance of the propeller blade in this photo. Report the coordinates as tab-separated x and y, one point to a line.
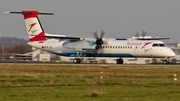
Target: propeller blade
137	34
99	40
102	34
95	34
144	34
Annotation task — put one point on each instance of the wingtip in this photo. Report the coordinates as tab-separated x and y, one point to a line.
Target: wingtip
7	12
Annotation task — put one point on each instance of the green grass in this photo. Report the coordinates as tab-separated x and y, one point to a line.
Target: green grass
82	83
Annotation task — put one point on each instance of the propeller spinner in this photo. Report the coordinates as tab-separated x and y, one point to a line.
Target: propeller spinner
99	40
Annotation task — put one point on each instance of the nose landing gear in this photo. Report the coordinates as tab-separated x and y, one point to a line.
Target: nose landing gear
166	61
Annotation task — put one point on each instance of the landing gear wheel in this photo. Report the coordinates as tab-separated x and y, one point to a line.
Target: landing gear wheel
166	61
77	61
119	61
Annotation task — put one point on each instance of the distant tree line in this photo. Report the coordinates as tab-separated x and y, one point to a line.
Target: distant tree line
19	49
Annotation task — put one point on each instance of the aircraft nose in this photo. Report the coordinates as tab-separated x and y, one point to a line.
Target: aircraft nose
171	53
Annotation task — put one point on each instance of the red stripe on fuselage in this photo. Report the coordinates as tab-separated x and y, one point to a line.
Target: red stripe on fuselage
147	43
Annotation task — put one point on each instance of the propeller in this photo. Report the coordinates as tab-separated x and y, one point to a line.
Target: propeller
142	35
99	40
137	34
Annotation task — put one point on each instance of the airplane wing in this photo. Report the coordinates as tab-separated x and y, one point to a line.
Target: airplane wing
161	38
120	38
81	38
152	38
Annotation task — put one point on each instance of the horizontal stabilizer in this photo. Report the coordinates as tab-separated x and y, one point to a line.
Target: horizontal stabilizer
27	12
62	37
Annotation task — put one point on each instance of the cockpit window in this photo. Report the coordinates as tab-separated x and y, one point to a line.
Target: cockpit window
159	45
155	45
162	45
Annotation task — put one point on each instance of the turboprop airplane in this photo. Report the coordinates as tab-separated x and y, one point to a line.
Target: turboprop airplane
92	47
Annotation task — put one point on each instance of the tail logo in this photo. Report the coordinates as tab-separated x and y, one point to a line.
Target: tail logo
32	25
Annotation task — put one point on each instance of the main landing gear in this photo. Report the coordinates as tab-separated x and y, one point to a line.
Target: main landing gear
77	60
119	61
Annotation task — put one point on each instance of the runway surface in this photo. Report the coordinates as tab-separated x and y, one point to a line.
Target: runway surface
120	65
14	62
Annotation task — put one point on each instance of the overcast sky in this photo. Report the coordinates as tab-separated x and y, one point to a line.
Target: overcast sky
118	18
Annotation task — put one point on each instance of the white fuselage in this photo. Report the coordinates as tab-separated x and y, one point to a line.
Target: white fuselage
113	48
